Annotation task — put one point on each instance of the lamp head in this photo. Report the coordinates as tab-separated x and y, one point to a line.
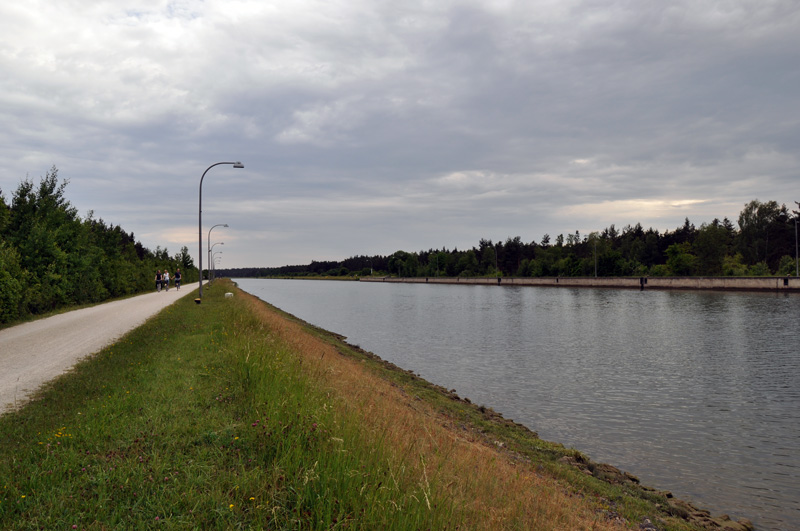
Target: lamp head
238	165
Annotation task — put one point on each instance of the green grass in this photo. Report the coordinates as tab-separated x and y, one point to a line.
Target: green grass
201	419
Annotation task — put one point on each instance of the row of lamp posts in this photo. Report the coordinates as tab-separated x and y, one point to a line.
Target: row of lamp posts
200	228
212	262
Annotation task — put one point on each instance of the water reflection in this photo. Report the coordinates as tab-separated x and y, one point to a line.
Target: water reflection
697	393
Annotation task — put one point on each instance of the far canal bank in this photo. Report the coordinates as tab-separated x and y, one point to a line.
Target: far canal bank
780	284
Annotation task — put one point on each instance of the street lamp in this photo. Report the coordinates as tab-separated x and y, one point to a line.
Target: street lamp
211	261
200	221
209	238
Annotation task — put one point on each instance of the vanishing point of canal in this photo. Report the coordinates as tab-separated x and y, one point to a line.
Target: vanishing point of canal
694	392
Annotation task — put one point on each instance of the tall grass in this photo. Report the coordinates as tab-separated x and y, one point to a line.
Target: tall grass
229	415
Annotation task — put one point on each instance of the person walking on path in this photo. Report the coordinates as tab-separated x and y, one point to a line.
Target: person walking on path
178	279
158	280
166	280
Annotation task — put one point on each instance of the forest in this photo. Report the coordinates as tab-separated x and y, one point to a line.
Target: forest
52	258
762	243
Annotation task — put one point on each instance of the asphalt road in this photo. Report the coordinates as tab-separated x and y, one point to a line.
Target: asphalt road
36	352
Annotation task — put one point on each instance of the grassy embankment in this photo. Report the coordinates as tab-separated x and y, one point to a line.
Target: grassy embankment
231	414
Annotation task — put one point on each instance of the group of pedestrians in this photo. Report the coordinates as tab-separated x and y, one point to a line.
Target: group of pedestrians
162	280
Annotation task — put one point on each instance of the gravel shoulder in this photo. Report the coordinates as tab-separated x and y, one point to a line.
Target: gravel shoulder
34	353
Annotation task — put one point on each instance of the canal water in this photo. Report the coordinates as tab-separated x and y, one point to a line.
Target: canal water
697	393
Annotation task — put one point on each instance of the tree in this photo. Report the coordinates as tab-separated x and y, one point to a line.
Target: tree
5	212
755	221
545	241
488	255
686	233
12	284
680	260
45	229
183	259
512	255
573	239
397	263
710	247
652	245
467	265
162	254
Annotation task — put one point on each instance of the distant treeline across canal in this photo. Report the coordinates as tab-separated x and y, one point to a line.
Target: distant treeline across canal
641	283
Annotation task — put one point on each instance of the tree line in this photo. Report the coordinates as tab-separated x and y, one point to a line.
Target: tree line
763	243
52	258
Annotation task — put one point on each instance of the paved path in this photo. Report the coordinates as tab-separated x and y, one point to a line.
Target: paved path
36	352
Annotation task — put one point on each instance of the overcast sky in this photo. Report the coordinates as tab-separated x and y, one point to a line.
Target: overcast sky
368	126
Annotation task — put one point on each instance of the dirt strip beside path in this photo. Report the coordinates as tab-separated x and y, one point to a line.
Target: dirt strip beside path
36	352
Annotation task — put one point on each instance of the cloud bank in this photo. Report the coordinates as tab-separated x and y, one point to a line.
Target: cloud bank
367	127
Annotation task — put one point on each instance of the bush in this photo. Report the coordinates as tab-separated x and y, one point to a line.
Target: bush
660	270
759	270
787	266
732	266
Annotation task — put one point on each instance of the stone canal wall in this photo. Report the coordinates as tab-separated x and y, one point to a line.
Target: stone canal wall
640	283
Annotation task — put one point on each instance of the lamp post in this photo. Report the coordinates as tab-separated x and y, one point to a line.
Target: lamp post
209	238
217	259
200	221
211	260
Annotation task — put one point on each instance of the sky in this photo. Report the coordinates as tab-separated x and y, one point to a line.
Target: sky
367	126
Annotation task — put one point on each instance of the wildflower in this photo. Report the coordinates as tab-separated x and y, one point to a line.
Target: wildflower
230	507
